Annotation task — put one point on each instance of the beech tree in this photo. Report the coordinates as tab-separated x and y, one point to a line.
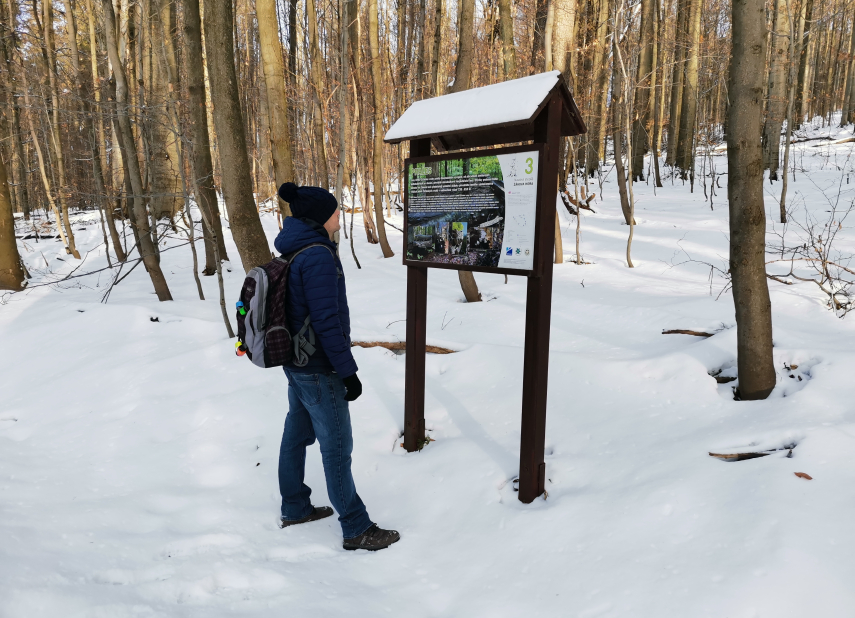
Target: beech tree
11	273
745	86
231	136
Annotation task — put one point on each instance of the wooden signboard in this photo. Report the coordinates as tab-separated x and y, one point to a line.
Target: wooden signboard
486	211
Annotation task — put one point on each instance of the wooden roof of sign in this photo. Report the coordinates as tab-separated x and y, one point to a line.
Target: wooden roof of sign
502	113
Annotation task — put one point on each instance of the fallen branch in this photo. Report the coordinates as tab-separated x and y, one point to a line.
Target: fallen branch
399	346
774	278
680	331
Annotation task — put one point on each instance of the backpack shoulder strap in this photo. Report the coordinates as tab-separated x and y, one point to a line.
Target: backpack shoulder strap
290	257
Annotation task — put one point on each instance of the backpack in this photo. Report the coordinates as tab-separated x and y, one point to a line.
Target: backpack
264	334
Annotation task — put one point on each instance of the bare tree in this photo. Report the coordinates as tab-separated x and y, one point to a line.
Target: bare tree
277	101
776	107
745	196
376	72
11	273
231	136
462	80
129	150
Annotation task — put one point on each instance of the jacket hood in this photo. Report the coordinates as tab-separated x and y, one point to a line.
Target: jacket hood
296	234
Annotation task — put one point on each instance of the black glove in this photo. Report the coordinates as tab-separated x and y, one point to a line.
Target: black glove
353	386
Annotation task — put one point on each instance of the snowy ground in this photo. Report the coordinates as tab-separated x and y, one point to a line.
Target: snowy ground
138	457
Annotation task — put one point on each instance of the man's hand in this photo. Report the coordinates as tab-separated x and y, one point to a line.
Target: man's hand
353	386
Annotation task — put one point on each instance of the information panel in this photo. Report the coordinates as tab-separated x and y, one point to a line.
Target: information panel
474	211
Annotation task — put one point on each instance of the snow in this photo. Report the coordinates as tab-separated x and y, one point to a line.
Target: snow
138	458
512	101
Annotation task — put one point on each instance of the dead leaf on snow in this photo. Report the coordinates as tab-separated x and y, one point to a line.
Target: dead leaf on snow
803	475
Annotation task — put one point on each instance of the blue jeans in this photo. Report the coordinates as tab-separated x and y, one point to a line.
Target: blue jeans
317	409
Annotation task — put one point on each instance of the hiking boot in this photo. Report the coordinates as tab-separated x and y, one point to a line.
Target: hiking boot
318	512
373	539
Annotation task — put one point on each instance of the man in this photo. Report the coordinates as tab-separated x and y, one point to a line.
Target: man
319	392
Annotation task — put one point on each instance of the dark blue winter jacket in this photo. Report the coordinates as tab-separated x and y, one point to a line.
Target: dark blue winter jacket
316	288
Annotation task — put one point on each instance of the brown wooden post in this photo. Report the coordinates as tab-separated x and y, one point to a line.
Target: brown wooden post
538	308
414	380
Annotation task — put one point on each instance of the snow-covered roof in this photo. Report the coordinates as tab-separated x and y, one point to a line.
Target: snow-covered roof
504	103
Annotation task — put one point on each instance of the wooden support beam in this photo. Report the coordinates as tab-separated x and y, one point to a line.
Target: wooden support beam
414	380
538	310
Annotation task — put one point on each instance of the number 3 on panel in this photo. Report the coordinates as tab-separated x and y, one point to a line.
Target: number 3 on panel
529	165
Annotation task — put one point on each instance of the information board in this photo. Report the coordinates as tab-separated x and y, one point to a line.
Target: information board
476	212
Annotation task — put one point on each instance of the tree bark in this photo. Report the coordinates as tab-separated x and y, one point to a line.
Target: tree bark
55	144
596	136
537	39
689	102
200	148
231	136
18	160
11	273
462	81
677	73
849	83
776	108
277	101
317	75
89	130
643	84
376	72
563	41
437	48
745	196
465	47
166	198
129	148
804	62
506	27
617	140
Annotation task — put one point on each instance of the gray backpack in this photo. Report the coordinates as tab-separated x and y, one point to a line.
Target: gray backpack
263	331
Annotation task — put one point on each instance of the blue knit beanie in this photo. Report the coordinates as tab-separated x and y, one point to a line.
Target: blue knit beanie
309	202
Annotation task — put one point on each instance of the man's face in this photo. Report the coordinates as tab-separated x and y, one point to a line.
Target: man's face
332	225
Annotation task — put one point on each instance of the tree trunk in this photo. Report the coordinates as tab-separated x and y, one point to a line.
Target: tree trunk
277	101
506	27
776	93
745	195
617	139
89	130
98	139
11	273
804	63
164	177
849	83
200	148
231	137
680	38
465	47
562	38
462	80
18	160
437	48
55	144
129	148
689	102
595	138
643	84
537	47
317	75
376	72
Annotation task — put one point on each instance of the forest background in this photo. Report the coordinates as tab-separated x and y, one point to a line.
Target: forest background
142	109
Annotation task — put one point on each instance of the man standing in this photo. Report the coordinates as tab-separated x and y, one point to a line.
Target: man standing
319	392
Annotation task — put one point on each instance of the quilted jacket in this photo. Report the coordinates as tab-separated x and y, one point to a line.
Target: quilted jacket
316	288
